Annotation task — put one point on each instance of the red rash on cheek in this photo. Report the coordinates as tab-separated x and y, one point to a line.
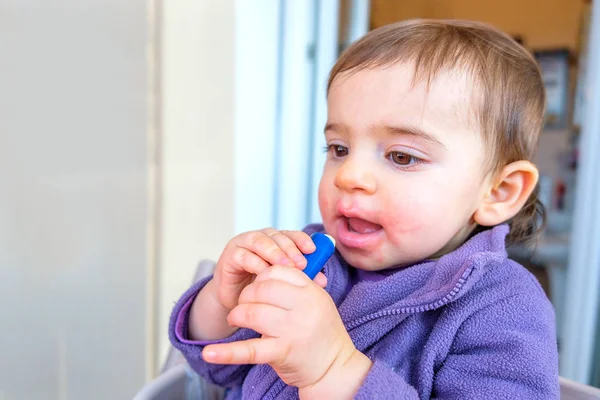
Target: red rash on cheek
324	203
404	223
404	217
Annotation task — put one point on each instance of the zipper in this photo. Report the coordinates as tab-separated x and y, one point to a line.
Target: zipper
415	309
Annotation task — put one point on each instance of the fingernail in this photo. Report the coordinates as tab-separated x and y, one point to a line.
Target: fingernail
300	260
287	261
210	355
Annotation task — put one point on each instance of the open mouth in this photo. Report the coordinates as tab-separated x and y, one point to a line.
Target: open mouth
361	226
358	233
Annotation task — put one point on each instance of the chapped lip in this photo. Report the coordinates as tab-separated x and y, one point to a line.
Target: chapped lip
349	238
357	213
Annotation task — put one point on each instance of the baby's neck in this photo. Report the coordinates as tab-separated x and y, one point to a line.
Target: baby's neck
457	240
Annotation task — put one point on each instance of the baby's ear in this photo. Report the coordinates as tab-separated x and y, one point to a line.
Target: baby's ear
508	194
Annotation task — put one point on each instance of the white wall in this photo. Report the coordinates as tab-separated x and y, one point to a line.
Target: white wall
197	148
73	200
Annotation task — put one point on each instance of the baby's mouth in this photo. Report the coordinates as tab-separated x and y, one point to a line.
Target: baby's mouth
362	227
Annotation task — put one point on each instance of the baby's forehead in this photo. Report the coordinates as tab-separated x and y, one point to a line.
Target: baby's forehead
455	86
459	88
449	94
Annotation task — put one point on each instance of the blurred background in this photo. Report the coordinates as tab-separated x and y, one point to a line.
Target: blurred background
137	137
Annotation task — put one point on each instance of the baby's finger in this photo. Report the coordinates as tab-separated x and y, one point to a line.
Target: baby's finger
248	261
304	244
277	293
321	280
263	246
265	319
291	275
288	246
252	351
302	240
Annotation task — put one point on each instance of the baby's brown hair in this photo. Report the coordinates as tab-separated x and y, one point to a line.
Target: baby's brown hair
509	105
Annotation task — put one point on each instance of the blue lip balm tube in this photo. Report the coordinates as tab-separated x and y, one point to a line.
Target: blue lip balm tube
316	260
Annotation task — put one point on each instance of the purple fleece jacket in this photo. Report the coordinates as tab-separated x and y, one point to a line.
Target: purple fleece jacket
470	325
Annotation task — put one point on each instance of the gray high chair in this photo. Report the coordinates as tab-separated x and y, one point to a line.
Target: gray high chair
177	381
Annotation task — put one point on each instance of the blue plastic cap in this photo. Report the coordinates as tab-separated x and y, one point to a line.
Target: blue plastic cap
316	260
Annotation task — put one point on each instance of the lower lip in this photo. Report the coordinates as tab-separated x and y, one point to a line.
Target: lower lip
349	238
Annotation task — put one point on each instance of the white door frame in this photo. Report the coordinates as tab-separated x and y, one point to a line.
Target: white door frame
579	329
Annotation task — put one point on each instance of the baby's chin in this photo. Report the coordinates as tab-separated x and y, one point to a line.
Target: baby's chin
390	257
373	262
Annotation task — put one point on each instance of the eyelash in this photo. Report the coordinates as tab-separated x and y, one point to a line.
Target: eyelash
414	160
332	147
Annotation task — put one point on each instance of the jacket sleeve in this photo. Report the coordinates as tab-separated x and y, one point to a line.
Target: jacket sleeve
382	383
222	375
507	350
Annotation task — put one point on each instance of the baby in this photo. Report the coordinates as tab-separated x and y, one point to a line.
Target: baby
431	130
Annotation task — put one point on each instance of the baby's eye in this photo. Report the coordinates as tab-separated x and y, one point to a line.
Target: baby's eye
400	158
337	150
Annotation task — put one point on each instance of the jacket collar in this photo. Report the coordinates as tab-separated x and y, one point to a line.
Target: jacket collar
419	287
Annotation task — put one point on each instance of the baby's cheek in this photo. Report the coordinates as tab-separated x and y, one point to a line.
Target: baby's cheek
416	219
401	223
324	204
406	215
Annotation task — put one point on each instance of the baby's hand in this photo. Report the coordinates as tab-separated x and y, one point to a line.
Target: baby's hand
251	253
303	337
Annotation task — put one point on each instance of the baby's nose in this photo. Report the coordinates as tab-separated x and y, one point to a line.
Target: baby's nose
353	175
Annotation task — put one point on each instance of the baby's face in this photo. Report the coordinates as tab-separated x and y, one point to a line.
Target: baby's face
405	166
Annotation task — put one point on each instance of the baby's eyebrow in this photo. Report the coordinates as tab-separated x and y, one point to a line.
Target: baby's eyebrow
401	130
332	126
411	130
